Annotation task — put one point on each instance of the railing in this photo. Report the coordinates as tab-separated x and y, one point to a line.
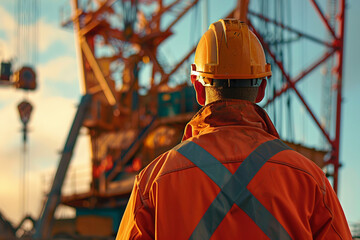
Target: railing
77	180
355	230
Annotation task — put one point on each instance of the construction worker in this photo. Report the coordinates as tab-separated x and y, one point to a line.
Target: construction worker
231	177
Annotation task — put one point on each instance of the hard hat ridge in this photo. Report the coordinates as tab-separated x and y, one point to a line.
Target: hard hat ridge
229	50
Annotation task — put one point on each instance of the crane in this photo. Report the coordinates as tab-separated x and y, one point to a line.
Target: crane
131	120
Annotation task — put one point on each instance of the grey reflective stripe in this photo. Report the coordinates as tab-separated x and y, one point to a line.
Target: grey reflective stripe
205	161
261	216
233	189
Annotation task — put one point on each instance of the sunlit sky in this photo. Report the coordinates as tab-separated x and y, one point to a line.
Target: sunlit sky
58	94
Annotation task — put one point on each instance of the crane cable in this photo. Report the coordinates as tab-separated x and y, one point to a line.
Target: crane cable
304	86
279	52
27	16
264	32
290	124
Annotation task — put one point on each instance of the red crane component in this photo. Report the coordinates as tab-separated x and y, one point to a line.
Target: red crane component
335	47
116	40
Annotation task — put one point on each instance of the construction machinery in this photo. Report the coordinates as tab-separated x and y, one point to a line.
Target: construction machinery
129	121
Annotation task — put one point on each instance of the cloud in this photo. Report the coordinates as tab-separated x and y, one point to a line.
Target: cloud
50	122
61	69
7	20
49	127
7	27
51	34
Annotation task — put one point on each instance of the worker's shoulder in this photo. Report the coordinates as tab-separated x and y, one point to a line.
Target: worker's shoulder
296	162
172	162
166	163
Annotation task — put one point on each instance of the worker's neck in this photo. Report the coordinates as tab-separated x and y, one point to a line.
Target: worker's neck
210	98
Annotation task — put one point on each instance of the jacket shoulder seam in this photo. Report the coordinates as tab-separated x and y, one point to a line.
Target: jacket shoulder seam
274	161
143	198
332	214
299	169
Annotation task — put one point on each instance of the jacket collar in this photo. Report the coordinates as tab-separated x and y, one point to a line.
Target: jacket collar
226	113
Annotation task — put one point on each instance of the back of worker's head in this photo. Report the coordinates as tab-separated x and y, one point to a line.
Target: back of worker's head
229	64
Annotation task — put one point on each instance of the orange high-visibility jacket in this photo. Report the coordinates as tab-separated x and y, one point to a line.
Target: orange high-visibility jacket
232	178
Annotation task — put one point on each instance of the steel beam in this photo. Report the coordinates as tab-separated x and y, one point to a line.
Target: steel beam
340	59
323	18
301	76
107	89
291	84
44	224
290	29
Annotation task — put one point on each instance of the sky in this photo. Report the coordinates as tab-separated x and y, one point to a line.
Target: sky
58	94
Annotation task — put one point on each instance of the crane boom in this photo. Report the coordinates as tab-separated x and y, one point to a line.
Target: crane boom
43	225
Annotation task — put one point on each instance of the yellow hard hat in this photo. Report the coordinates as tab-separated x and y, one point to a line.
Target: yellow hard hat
229	50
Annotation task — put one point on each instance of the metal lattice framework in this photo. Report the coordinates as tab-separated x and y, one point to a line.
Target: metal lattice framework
334	47
133	35
116	40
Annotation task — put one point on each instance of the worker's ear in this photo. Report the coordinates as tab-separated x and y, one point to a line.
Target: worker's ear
261	92
200	93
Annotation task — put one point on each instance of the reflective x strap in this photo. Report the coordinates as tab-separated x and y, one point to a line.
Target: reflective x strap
233	188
